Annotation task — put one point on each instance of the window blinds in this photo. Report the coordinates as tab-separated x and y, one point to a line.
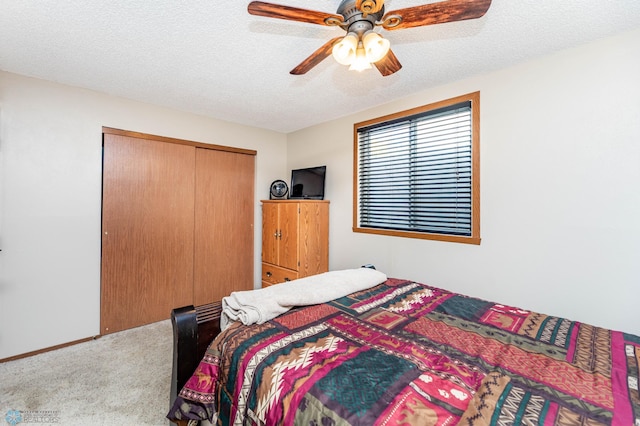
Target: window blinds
414	173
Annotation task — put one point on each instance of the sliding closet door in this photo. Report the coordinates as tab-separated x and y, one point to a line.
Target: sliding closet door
147	230
224	212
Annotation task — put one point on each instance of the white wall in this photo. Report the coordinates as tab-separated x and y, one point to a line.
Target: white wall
50	200
560	169
560	197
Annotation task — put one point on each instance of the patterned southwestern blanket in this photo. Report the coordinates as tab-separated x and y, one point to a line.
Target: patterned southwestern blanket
404	353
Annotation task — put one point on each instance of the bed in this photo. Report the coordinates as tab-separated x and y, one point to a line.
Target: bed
402	353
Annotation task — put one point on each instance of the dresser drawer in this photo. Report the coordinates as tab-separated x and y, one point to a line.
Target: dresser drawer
274	275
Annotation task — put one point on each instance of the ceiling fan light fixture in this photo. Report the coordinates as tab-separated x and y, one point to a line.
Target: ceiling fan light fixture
344	51
360	62
375	46
361	47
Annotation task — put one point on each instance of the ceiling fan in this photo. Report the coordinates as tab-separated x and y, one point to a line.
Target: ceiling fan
362	47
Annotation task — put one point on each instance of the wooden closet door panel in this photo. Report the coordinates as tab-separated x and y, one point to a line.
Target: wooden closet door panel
288	244
147	231
224	210
314	238
269	233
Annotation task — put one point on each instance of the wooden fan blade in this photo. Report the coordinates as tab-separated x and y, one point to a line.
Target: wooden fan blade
271	10
436	13
315	58
388	65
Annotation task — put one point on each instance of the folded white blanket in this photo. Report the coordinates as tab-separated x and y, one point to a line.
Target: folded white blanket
258	306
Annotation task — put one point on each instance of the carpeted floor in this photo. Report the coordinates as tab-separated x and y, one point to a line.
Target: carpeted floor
119	379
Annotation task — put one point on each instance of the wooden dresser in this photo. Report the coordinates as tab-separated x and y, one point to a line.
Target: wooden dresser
295	239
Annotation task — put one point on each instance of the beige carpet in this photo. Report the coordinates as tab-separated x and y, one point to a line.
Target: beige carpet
119	379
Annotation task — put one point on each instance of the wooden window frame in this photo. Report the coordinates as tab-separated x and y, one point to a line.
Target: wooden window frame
474	238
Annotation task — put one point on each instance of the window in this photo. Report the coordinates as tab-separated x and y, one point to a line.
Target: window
417	172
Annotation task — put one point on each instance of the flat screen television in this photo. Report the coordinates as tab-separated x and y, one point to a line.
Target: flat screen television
308	183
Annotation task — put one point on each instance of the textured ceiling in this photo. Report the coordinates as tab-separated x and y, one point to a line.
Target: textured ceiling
213	58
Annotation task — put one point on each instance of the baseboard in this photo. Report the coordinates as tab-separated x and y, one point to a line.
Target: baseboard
49	349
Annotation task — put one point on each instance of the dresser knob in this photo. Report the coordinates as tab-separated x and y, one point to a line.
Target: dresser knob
268	274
